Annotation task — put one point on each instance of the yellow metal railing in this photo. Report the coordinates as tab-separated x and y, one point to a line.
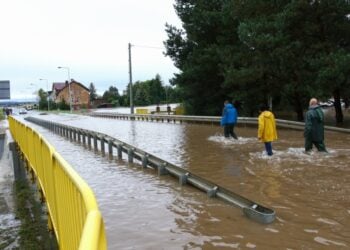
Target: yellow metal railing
72	207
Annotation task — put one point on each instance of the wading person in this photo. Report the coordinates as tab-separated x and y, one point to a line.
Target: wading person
267	128
229	120
314	128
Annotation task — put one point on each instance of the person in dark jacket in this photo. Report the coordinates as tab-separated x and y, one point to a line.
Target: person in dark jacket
314	128
229	120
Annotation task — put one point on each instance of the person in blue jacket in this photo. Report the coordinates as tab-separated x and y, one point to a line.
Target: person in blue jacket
229	120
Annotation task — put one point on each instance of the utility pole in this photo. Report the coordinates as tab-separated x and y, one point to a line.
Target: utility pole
130	82
130	73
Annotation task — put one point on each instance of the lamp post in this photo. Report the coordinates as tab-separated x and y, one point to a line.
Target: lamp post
33	86
47	89
34	90
130	81
70	95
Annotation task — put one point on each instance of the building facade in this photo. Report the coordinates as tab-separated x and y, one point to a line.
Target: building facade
80	95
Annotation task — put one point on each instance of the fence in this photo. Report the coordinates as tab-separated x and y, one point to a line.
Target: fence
73	211
214	120
99	141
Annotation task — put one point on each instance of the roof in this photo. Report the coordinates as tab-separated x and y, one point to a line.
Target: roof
80	84
59	86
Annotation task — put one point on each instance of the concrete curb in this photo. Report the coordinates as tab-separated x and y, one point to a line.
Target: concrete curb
9	225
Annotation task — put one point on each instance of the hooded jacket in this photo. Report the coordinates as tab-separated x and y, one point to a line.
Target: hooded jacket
229	115
267	127
314	130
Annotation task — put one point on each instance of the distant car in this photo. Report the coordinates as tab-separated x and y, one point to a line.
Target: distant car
326	104
22	111
330	103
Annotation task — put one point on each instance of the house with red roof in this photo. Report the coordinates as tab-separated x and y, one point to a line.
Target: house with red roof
79	94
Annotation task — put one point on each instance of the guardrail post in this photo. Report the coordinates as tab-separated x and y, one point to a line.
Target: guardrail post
144	161
83	138
102	139
183	179
110	148
95	142
89	140
74	134
70	134
162	169
79	134
130	155
212	192
120	151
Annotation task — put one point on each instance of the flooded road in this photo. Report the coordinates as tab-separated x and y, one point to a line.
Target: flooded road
309	193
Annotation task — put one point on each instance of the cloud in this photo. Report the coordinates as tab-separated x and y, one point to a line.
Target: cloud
89	36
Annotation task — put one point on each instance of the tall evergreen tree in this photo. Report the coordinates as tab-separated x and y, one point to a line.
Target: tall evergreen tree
93	94
256	51
194	51
112	95
43	104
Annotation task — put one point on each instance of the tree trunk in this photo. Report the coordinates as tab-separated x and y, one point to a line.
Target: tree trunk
347	102
299	110
298	107
337	107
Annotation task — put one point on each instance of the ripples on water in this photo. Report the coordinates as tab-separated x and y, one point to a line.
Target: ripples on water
309	192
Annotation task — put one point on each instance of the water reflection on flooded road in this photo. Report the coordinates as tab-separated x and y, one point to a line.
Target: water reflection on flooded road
310	193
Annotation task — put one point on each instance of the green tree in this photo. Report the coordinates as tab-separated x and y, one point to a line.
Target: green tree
111	96
257	51
333	75
147	92
195	52
172	94
43	104
332	66
272	55
141	94
63	105
93	94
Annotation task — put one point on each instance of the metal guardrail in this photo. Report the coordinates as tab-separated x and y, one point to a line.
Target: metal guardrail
98	141
73	211
215	120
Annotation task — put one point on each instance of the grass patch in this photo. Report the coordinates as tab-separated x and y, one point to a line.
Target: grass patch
33	230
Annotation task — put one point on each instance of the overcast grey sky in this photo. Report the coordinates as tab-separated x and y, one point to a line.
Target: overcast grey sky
89	36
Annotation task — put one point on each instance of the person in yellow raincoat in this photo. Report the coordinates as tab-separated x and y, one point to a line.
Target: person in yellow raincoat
267	132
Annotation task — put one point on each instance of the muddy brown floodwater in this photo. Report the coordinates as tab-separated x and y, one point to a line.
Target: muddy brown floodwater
309	193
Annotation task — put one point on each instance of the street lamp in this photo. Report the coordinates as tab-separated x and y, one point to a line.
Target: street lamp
34	92
130	81
47	89
70	95
33	86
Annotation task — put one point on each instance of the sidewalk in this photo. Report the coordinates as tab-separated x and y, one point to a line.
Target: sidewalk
9	225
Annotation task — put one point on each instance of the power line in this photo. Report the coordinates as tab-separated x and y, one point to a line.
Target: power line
146	46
